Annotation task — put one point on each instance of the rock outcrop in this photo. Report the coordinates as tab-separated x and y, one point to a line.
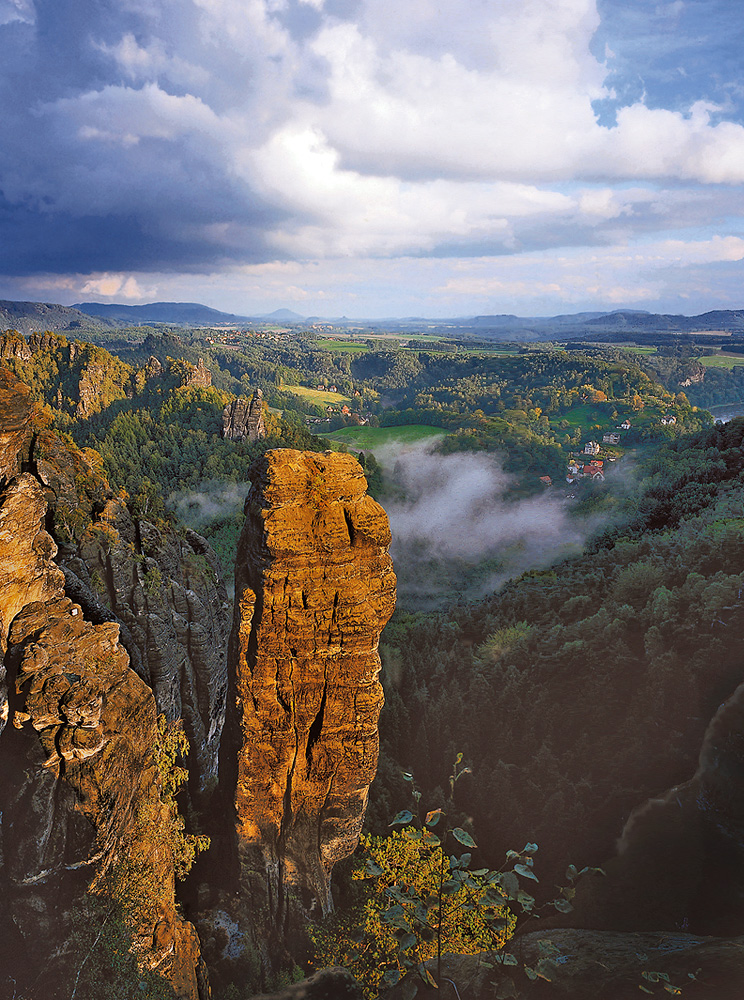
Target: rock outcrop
165	588
200	377
243	418
77	378
314	588
161	585
87	839
13	345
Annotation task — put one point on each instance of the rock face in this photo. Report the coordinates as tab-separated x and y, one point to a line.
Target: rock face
200	377
243	418
81	813
314	588
15	417
165	588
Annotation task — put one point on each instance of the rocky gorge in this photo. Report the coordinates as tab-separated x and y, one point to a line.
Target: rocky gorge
109	621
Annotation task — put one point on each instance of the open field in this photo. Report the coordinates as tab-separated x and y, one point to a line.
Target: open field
722	360
583	416
319	397
377	437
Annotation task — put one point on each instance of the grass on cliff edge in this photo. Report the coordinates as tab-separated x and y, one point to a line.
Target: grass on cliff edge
369	438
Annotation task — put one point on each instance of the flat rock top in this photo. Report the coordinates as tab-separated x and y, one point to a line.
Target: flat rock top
285	476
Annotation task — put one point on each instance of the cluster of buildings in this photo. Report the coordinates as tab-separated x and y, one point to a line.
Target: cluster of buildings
593	469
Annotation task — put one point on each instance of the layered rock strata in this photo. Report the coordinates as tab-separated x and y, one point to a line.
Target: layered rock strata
84	830
314	588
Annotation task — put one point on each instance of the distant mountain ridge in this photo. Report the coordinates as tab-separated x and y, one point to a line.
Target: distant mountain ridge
37	317
182	313
29	317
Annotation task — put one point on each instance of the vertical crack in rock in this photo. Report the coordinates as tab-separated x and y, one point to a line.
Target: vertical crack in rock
301	740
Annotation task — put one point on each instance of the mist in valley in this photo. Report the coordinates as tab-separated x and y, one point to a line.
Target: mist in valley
457	535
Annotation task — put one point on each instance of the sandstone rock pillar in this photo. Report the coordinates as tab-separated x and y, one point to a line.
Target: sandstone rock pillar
314	589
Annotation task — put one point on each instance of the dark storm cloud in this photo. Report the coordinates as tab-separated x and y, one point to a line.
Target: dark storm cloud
173	136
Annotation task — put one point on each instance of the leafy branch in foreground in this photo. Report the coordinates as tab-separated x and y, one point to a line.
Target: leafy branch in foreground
423	901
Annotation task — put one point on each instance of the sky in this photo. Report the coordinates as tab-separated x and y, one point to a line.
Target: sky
356	157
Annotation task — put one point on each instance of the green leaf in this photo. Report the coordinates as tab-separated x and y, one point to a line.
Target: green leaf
504	958
562	905
464	838
525	900
391	977
407	776
433	817
492	897
464	860
529	849
571	872
450	887
372	868
674	990
645	990
458	759
509	883
404	816
526	872
411	833
430	839
408	941
531	974
506	990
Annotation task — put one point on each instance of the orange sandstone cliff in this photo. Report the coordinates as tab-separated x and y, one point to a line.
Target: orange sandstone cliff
87	865
314	589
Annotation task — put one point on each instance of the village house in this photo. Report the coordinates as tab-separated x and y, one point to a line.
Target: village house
591	448
669	419
625	425
611	438
546	480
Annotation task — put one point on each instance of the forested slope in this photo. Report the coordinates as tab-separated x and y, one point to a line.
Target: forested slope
578	692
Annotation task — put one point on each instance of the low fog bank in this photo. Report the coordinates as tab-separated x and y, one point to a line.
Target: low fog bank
456	535
213	500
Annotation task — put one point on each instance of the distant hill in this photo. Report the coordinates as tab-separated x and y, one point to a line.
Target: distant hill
33	317
284	316
178	313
